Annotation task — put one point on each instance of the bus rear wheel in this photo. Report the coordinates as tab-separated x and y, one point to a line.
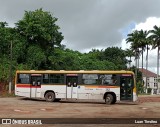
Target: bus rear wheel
50	96
109	99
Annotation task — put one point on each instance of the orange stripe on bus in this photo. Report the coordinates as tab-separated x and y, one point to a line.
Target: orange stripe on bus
108	87
102	86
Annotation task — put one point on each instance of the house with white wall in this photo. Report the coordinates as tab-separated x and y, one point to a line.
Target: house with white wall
151	81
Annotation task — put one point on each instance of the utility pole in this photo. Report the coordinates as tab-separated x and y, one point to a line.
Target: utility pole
10	73
158	57
146	72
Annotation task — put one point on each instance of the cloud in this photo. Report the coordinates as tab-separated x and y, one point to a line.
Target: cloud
86	24
148	24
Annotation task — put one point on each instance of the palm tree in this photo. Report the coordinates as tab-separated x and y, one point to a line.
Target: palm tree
143	45
138	39
155	35
129	53
133	39
148	43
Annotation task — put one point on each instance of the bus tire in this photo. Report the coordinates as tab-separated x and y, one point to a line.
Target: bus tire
114	101
109	99
50	96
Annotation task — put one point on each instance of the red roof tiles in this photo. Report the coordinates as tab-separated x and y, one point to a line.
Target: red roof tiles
147	73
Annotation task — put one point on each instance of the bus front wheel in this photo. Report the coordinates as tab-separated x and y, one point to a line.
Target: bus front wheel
109	99
50	96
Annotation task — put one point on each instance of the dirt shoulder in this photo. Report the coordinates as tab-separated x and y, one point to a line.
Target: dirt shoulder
18	107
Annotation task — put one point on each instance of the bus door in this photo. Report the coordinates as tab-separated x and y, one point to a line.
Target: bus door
126	87
35	85
71	86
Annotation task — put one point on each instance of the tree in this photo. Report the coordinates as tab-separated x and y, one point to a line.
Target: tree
34	39
129	53
40	31
139	40
5	37
39	27
115	55
155	35
133	39
95	53
142	42
89	62
148	41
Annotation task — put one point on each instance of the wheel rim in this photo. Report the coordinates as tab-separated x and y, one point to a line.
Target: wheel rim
49	97
108	99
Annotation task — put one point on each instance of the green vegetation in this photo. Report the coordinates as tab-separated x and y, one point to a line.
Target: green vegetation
35	44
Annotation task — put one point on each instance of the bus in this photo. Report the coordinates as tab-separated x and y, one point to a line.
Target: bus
51	85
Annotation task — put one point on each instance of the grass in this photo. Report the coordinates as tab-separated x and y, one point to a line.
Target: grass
144	94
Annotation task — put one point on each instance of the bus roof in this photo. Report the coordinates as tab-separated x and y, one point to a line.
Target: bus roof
75	72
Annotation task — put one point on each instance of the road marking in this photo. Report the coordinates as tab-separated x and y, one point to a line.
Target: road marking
43	109
144	108
17	110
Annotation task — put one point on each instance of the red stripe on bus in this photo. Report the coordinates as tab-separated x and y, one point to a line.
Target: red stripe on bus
27	86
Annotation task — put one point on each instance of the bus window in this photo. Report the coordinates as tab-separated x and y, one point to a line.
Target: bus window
127	81
90	78
57	78
107	79
23	78
45	78
36	80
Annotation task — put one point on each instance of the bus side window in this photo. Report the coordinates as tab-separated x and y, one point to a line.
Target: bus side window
23	78
114	80
105	82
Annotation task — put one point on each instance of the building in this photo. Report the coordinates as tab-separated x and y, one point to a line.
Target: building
152	81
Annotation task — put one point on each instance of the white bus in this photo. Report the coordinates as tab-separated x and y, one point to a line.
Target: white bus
50	85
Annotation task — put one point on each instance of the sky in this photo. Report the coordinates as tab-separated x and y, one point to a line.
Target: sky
92	24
